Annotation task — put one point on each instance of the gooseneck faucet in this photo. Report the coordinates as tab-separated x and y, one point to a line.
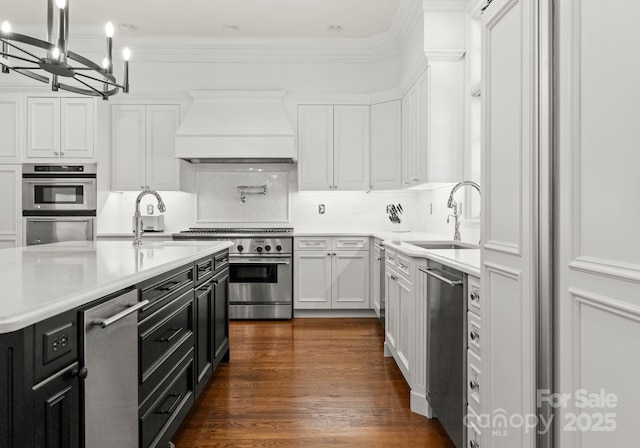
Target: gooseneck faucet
138	231
451	203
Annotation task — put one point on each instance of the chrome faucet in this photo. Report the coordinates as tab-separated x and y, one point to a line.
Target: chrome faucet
138	230
451	203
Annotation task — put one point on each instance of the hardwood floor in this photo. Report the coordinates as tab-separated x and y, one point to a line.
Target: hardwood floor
307	383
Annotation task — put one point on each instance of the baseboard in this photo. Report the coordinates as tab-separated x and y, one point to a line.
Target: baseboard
335	313
420	405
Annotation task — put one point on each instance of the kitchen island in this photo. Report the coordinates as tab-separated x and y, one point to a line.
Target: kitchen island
177	314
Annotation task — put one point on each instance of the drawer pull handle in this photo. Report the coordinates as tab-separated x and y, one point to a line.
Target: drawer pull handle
204	290
174	332
474	335
474	444
393	277
474	385
172	285
170	409
104	323
475	296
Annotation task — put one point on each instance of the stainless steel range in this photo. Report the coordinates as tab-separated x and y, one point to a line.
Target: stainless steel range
260	270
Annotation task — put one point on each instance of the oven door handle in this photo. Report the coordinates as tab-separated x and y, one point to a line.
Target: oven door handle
259	261
63	181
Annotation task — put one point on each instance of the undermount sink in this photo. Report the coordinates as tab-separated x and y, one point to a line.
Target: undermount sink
442	245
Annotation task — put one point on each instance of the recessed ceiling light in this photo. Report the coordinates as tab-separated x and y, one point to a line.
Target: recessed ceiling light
334	28
233	28
128	27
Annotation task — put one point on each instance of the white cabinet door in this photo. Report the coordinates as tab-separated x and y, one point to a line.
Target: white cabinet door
312	279
508	267
76	121
410	137
392	311
386	146
43	127
128	143
162	167
143	147
423	129
10	204
10	128
350	286
351	148
315	147
598	261
375	280
406	317
60	127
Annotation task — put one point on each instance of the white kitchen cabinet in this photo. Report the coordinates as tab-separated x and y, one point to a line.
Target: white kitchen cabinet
11	216
333	147
331	273
386	146
475	339
60	127
414	133
10	128
143	148
375	276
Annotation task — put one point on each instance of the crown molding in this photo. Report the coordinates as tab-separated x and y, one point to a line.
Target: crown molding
407	17
474	7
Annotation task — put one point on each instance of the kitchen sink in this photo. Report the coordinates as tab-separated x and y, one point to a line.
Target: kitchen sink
442	245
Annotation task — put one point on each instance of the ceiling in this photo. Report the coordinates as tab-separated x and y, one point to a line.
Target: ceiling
273	18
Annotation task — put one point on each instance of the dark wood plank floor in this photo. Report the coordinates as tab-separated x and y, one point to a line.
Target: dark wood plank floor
307	383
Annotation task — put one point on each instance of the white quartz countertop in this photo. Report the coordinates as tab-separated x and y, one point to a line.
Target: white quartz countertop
465	260
39	282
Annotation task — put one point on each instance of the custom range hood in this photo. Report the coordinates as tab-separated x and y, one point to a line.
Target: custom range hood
236	127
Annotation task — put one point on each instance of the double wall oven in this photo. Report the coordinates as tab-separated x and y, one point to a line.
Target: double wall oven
260	270
58	202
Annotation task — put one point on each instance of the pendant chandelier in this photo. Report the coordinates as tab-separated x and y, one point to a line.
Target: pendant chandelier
51	62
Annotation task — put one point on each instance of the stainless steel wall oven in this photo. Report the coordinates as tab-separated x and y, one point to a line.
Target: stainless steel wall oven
58	202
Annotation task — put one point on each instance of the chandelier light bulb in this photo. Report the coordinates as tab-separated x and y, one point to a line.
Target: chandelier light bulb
105	63
109	29
126	54
61	4
6	27
55	54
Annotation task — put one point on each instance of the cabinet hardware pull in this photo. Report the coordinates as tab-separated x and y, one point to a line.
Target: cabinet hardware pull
474	444
80	373
475	296
441	278
329	253
393	277
474	385
174	332
174	284
104	323
177	397
204	290
474	335
486	6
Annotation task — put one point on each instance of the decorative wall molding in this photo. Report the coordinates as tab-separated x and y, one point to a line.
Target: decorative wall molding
607	268
445	55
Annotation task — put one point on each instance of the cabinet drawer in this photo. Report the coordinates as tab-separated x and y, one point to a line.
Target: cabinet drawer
351	243
174	395
390	258
220	261
473	432
403	266
163	332
56	344
474	379
313	243
161	290
473	295
473	332
204	269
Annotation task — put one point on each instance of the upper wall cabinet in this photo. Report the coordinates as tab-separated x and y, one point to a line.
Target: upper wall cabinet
10	129
143	147
333	147
414	133
60	127
386	145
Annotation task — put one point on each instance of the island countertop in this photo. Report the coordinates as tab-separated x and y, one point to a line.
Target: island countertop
41	281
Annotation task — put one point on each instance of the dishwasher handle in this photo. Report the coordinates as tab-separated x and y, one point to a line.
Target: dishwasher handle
105	322
440	277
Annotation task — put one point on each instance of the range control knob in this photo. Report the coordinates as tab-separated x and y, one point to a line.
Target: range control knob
240	247
259	249
278	248
267	248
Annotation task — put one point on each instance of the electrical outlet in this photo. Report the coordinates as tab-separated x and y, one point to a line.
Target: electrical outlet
150	209
57	343
321	209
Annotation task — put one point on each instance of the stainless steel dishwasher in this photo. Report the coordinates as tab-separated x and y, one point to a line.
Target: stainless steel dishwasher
446	345
110	356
